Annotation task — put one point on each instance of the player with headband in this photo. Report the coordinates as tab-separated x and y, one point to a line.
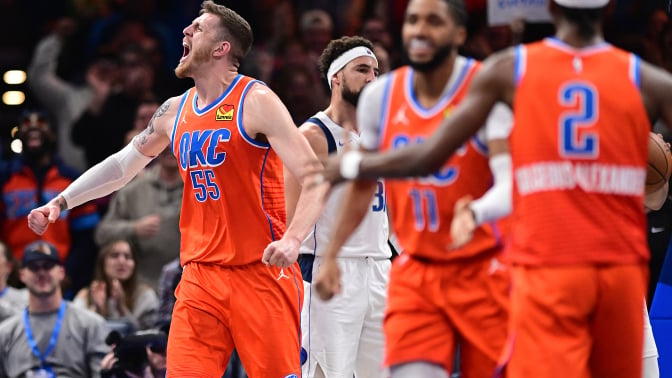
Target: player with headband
344	336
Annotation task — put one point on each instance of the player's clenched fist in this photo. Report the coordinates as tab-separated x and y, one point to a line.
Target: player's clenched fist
328	281
282	253
40	218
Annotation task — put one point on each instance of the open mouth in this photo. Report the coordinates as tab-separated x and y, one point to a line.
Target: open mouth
185	52
419	46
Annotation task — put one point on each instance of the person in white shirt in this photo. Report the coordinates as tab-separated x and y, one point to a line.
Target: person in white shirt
344	336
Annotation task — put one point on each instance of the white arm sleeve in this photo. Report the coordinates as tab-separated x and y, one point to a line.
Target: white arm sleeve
499	123
369	109
496	202
106	177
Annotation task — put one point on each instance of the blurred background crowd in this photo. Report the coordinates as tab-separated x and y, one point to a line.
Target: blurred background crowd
81	77
111	55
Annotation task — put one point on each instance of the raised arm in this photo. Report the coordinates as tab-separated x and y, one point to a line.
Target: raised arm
56	94
493	83
112	173
264	116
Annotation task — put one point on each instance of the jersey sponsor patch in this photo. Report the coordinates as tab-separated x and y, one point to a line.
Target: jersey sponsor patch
448	110
224	113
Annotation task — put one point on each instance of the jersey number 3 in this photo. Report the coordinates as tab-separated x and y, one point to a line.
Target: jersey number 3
379	196
581	100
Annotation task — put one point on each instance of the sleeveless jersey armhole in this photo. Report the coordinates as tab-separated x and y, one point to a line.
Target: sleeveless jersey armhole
331	142
177	120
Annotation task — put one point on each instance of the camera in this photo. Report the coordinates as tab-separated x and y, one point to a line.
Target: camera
131	350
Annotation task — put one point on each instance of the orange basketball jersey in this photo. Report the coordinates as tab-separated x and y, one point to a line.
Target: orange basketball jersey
233	203
579	153
422	208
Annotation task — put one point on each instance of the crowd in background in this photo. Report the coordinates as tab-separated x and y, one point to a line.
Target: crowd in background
97	71
116	53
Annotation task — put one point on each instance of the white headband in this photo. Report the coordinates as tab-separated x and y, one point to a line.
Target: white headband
346	58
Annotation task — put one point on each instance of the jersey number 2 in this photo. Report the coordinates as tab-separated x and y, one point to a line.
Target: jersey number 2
573	142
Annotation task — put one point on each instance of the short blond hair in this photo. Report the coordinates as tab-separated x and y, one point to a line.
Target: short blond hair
235	29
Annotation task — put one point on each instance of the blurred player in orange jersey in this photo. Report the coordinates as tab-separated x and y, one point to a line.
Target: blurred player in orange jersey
231	136
497	202
433	290
582	115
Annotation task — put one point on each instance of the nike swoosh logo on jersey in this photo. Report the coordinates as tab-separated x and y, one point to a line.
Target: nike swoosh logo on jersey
657	230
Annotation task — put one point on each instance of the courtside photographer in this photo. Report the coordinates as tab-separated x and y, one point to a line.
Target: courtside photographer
138	355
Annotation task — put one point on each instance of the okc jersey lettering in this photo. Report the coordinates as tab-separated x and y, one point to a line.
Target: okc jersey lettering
445	176
192	153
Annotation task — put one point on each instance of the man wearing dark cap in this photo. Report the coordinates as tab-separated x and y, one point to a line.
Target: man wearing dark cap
50	337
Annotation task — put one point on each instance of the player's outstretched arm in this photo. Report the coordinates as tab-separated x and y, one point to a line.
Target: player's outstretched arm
265	115
493	83
112	173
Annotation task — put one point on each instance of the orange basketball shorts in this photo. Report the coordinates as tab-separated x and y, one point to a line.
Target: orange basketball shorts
576	321
253	308
433	306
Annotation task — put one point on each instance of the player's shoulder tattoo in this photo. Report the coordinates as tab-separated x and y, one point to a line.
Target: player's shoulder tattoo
141	139
158	113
